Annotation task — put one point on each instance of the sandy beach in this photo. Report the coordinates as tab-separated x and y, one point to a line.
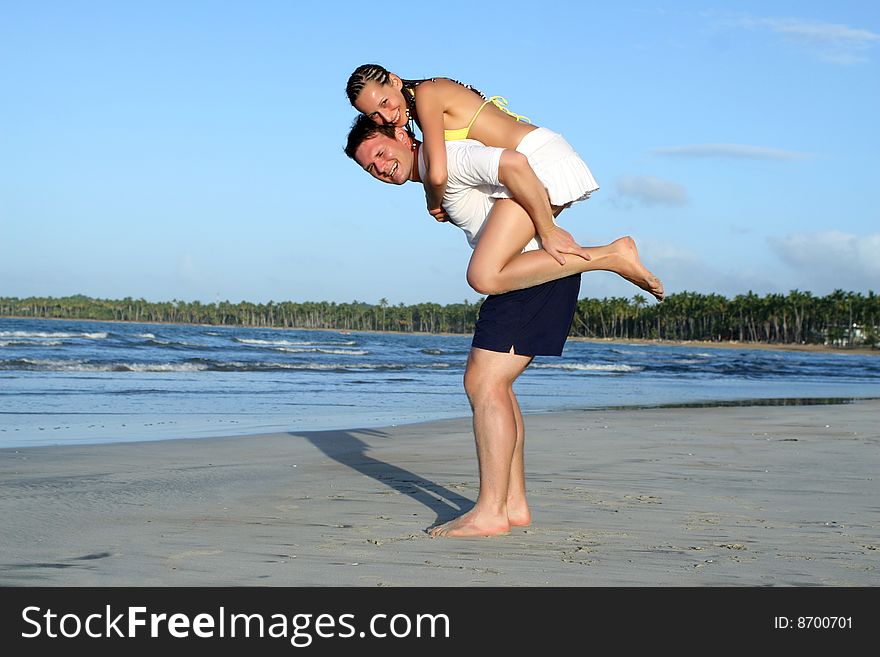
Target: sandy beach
730	496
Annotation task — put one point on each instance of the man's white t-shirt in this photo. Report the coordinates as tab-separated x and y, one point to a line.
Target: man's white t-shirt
472	187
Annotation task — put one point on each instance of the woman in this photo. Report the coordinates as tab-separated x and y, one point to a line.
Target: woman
445	109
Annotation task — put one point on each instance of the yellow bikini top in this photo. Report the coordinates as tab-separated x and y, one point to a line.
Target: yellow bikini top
499	102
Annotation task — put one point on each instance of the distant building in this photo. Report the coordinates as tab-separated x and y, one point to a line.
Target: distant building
848	336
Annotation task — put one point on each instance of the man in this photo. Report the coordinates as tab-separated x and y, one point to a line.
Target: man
513	326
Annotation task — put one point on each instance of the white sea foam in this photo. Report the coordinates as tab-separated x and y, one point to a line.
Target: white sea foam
148	336
173	343
264	365
335	366
159	367
588	367
50	364
319	350
31	343
42	334
288	343
80	366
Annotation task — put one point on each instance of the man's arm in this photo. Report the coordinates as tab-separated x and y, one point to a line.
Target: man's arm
515	173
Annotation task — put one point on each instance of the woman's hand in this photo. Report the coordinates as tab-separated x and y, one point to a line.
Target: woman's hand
439	214
559	241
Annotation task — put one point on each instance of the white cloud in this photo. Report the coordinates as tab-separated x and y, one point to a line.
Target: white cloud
735	151
651	191
682	269
832	259
821	33
832	42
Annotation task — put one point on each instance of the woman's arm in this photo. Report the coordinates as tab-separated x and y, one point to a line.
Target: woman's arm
515	173
430	108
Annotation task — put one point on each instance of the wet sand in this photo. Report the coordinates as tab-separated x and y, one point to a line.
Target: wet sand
729	496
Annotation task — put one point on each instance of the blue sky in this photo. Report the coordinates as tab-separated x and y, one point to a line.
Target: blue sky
193	150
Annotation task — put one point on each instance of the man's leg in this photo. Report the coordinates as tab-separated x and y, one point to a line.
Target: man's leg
518	513
488	381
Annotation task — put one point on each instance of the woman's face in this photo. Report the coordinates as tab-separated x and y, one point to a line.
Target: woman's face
384	103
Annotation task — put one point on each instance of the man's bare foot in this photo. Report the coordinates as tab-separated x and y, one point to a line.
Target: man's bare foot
518	515
631	268
473	524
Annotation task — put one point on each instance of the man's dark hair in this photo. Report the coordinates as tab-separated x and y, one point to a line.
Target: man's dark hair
362	129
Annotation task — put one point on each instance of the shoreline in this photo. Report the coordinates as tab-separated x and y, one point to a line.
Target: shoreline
732	344
732	496
735	344
243	432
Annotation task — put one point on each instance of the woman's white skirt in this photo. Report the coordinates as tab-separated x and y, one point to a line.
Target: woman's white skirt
565	175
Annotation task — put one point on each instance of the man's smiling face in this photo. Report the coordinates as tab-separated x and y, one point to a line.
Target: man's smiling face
387	159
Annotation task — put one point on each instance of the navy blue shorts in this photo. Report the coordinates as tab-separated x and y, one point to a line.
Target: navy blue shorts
534	321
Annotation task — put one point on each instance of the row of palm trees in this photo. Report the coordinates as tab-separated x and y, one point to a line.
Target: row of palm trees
842	318
354	316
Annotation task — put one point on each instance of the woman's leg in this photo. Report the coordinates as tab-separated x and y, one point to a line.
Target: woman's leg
498	264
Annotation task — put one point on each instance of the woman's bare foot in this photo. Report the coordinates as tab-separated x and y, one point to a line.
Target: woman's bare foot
473	523
628	265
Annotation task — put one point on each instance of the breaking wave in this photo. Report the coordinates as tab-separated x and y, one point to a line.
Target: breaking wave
54	334
588	367
301	343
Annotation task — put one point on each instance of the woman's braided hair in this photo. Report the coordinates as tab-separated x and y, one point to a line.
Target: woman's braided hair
379	74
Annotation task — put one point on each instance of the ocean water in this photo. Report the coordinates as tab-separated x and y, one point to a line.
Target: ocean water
66	382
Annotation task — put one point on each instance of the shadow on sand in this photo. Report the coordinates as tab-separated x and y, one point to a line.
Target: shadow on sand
346	448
